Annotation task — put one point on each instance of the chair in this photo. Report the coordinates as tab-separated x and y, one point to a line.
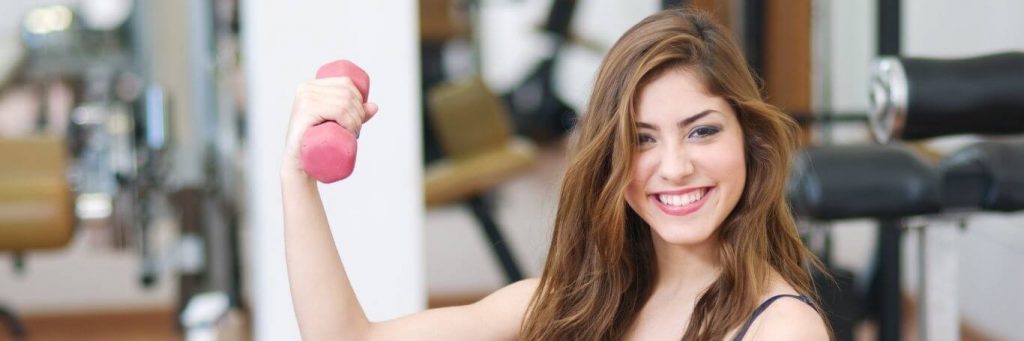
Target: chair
480	153
35	202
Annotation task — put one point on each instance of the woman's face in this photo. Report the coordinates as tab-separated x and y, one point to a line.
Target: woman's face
689	168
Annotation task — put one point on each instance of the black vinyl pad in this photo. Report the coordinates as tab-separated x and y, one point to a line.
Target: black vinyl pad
862	181
987	175
974	95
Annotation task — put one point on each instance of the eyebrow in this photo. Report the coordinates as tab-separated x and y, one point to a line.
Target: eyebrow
683	123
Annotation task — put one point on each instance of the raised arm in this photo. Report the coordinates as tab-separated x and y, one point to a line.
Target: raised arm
325	304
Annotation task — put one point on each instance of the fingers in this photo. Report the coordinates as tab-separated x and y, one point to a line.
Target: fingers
350	117
370	109
333	99
339	90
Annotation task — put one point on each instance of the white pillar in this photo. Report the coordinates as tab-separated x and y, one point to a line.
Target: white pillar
938	293
376	214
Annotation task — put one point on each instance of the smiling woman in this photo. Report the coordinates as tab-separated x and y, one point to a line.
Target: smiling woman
671	223
672	212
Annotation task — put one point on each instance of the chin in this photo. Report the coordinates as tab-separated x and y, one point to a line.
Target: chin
682	235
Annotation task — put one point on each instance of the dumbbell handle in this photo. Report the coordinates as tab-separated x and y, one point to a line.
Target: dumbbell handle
328	150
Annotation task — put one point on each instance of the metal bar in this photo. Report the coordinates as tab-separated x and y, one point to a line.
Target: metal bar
666	4
890	34
753	34
14	325
498	244
887	280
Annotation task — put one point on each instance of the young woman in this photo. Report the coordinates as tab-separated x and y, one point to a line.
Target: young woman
672	222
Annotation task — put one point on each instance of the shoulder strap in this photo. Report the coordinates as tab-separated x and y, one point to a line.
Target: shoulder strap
760	309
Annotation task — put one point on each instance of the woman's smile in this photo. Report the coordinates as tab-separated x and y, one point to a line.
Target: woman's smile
681	203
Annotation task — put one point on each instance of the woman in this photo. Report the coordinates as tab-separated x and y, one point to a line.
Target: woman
671	223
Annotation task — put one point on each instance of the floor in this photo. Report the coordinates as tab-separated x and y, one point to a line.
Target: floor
127	326
159	325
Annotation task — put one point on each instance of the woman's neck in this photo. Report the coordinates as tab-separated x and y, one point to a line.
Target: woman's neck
685	269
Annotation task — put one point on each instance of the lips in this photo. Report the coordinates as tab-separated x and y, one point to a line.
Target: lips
682	202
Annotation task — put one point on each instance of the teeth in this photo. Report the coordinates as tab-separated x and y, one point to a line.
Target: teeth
681	199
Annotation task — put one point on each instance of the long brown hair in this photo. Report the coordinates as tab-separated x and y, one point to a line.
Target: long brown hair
601	266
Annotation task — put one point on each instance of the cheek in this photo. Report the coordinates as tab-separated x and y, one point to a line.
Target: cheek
727	162
642	170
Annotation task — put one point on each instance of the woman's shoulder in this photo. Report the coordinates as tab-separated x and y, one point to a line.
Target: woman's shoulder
504	309
512	300
522	289
787	315
789	319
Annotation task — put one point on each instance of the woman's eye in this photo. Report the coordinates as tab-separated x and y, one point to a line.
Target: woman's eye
644	139
702	132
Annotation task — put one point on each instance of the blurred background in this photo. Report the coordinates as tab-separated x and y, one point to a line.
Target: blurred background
140	143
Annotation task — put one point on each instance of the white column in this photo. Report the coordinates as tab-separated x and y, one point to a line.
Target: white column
938	293
376	214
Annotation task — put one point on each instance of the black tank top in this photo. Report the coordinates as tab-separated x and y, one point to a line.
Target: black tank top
760	309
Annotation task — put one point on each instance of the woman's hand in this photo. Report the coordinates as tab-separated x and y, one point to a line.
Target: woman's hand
316	101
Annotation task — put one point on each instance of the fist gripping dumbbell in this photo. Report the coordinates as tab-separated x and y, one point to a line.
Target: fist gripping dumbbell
328	150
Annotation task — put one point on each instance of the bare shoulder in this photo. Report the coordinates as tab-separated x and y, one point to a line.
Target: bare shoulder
790	319
508	305
787	318
516	295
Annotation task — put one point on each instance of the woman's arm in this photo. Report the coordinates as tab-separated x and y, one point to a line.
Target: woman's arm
325	304
496	317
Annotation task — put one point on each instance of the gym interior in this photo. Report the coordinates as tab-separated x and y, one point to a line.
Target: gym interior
141	144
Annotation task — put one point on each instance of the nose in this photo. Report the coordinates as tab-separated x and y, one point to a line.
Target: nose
675	165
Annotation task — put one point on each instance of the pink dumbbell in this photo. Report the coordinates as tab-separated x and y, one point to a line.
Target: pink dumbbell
328	151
